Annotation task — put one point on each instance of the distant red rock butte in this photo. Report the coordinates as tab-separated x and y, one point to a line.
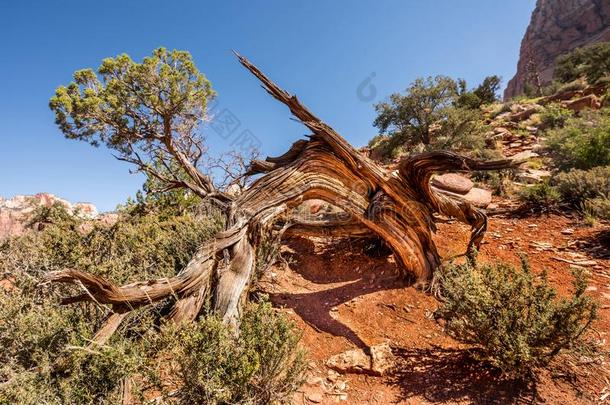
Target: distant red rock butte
557	27
14	211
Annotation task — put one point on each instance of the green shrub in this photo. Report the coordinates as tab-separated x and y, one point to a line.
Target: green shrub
551	88
44	357
387	147
591	62
515	322
576	186
597	208
575	85
606	99
541	196
555	116
260	364
499	181
138	246
583	142
502	108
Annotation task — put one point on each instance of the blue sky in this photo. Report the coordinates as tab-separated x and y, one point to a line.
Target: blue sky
323	51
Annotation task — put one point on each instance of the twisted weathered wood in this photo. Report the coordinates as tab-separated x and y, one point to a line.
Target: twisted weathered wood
396	207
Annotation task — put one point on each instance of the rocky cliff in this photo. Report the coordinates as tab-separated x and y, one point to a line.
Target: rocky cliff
15	211
556	27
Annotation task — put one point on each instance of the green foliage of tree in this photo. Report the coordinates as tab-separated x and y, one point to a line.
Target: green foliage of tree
487	91
591	62
149	113
427	114
515	322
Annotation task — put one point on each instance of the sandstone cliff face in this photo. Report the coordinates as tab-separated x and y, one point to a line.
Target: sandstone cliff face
556	27
15	211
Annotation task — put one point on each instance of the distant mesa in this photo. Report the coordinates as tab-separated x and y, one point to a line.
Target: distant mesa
15	211
557	27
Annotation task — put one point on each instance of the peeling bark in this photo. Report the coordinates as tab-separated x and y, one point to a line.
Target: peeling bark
395	207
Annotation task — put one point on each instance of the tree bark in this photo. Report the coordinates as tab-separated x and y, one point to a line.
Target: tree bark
397	207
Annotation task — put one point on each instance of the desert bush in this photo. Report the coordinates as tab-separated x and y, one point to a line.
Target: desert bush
516	322
260	364
44	358
583	142
606	99
551	88
541	196
591	62
576	186
46	355
554	116
498	181
596	208
575	85
140	245
388	147
502	108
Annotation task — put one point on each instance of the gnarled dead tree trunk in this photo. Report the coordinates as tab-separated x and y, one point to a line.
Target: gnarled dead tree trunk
397	207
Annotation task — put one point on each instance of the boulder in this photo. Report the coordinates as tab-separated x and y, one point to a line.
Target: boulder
566	95
478	197
524	155
379	362
503	116
598	90
382	359
525	114
590	101
453	182
351	361
533	176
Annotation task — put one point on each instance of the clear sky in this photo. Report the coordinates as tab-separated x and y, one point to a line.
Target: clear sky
324	51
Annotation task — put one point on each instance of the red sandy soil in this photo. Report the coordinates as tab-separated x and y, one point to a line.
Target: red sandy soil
344	299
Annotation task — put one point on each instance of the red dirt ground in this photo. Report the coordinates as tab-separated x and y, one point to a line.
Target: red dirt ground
343	299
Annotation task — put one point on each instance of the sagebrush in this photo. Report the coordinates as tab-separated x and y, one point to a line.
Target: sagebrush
260	364
583	142
47	355
515	320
